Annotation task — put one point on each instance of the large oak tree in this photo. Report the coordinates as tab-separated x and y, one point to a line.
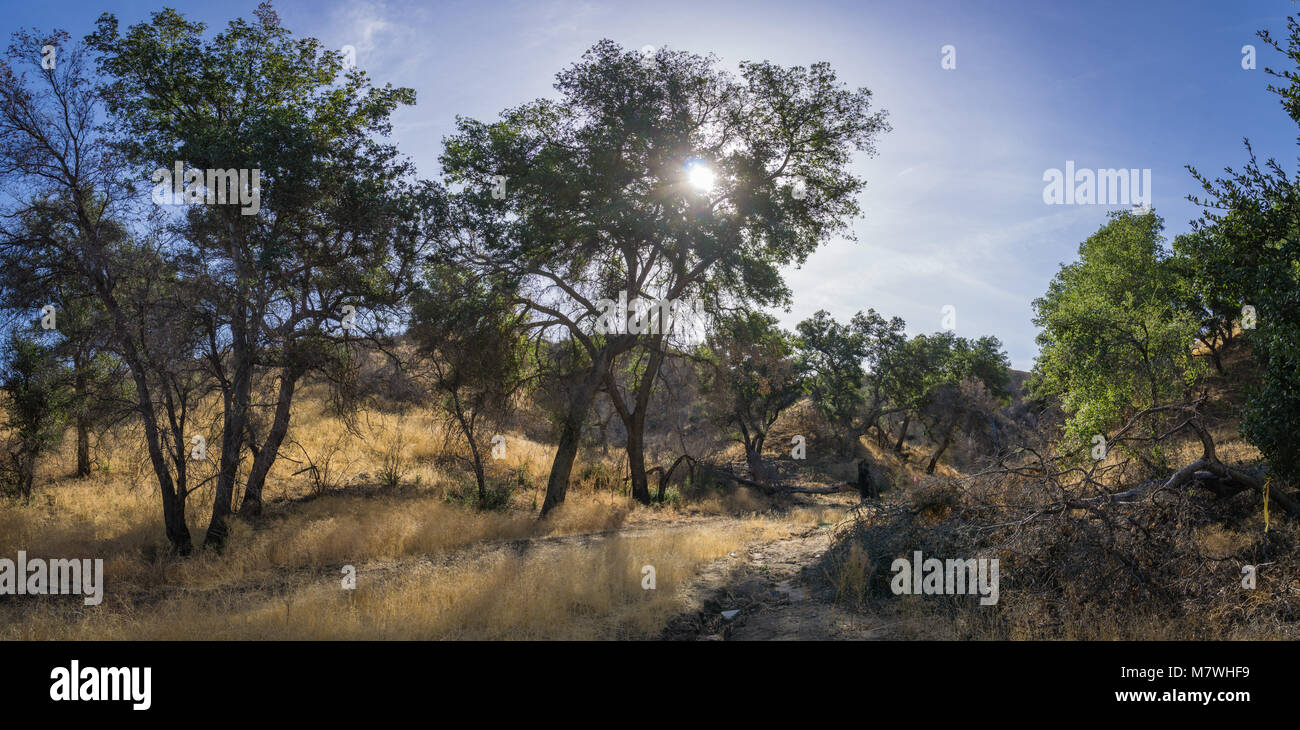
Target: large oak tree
585	196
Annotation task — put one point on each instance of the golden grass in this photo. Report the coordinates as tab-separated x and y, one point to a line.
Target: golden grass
428	564
574	589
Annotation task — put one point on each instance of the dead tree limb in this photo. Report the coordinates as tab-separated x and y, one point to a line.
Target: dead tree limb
778	487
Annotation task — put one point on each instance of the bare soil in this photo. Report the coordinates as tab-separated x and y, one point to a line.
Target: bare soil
777	595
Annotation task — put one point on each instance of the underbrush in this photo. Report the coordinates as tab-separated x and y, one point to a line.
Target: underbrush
1171	566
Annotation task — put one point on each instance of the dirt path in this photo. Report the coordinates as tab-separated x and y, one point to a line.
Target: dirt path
770	586
773	591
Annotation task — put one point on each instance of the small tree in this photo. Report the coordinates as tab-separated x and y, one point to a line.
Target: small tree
472	351
65	231
832	354
36	399
1115	340
1214	292
96	376
753	375
916	370
966	379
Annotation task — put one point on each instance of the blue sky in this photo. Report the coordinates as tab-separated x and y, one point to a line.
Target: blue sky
954	206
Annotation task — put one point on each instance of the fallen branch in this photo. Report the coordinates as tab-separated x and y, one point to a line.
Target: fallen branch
666	476
727	474
846	487
777	487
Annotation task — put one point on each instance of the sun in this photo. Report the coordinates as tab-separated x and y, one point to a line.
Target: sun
700	176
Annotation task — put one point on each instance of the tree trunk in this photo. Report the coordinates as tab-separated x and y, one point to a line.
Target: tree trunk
882	438
173	502
636	461
636	426
636	447
666	476
603	426
467	430
251	506
26	472
178	532
232	439
83	422
83	448
754	460
866	485
902	435
557	484
478	474
943	446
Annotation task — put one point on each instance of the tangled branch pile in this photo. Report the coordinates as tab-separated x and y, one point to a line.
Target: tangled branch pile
1091	551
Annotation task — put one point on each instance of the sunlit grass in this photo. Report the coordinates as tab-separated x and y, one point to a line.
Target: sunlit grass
429	564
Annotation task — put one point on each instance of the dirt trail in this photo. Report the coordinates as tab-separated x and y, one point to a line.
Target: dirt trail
770	585
773	589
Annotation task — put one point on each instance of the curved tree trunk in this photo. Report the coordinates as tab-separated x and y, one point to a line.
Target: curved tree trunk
634	420
173	501
264	459
943	446
902	435
666	476
467	430
557	484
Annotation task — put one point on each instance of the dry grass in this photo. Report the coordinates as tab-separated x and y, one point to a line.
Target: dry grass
572	589
428	564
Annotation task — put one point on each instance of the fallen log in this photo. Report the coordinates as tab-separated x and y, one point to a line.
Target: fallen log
777	487
727	474
822	490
